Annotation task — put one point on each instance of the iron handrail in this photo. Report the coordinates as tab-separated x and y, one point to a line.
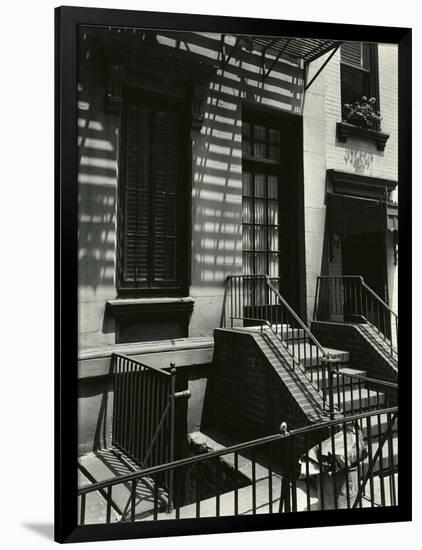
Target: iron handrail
148	472
136	362
267	278
298	320
367	379
384	304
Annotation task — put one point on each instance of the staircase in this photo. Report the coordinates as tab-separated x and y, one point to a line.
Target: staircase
322	384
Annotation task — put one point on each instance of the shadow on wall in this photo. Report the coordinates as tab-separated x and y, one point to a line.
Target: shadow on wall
97	179
217	159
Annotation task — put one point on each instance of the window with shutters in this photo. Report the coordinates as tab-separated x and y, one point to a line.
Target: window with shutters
359	73
153	200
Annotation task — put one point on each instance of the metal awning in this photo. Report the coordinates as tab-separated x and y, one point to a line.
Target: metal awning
299	49
307	49
351	216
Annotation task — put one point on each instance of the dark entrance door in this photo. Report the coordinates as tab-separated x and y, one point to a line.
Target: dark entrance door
365	256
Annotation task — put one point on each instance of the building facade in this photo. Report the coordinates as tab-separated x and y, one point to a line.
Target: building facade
203	156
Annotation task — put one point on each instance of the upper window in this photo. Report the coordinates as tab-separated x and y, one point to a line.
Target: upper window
359	73
152	232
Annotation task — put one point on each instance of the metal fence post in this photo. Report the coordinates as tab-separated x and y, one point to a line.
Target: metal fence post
329	364
172	430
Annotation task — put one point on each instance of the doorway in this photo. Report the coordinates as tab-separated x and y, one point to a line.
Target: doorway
365	256
272	204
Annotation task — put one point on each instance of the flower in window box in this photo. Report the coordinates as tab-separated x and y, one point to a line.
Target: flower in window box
362	114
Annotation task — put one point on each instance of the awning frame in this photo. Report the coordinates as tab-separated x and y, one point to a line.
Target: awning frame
299	49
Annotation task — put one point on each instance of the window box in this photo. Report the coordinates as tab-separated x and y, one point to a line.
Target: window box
346	130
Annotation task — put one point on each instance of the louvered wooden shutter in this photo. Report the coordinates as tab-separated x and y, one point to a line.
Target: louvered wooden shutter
149	217
356	54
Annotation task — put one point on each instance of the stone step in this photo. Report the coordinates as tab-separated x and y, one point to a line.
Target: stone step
311	357
104	465
319	377
389	460
375	431
286	332
355	401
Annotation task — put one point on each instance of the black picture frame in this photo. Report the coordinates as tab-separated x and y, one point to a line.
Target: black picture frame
67	20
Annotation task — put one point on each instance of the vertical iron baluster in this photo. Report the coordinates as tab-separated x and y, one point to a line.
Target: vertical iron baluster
381	461
172	430
343	387
338	375
82	511
270	479
346	464
321	476
292	473
231	302
197	492
155	507
369	442
236	489
253	481
133	500
391	462
144	413
108	511
217	486
334	476
308	496
358	462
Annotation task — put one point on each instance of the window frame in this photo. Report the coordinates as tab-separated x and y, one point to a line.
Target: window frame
182	207
267	167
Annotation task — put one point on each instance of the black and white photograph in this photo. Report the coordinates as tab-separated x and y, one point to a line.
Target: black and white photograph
237	275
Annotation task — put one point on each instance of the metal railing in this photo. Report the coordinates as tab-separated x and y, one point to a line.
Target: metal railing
254	300
350	299
351	393
346	463
144	413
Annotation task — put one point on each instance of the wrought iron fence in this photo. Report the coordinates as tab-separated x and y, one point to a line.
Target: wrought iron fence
343	463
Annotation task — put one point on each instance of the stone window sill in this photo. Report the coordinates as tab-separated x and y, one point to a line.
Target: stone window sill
346	130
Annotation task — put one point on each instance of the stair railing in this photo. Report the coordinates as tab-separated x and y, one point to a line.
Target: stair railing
350	299
355	451
254	300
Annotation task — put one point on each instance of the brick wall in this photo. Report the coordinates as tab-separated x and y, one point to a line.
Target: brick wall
252	396
363	355
357	155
